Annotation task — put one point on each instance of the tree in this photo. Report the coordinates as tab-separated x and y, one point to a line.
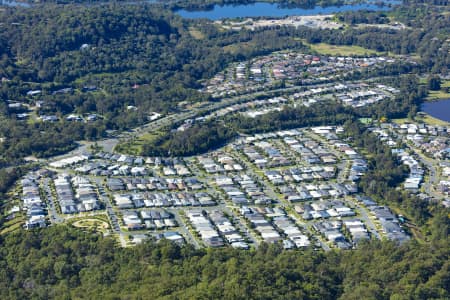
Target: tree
434	83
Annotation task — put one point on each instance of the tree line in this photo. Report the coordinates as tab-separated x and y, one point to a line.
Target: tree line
60	262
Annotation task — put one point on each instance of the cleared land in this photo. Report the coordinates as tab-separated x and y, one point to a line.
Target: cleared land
235	48
319	21
334	50
196	33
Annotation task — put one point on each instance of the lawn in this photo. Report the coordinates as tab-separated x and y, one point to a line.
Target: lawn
423	118
328	49
135	146
445	84
437	95
401	121
131	147
432	121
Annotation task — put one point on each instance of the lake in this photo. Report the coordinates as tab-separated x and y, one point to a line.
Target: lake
24	4
438	109
13	3
264	9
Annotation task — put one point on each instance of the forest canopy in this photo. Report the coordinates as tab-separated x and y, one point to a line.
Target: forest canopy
60	262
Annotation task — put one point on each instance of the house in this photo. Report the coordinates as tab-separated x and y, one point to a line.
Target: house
132	220
123	201
50	118
91	118
73	117
34	92
138	171
115	184
35	222
89	88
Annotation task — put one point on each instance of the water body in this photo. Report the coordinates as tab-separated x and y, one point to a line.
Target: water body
264	9
438	109
13	3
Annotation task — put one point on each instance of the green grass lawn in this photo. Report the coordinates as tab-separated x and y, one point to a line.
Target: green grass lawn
437	95
129	148
432	121
445	84
402	121
135	146
328	49
425	118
